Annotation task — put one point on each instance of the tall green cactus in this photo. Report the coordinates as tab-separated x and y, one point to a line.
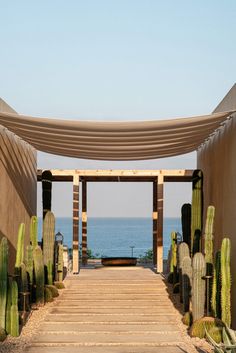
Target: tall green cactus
216	288
3	280
39	275
183	251
173	263
60	263
198	286
14	310
186	223
29	263
46	191
8	310
20	246
34	231
209	239
226	281
187	273
196	214
48	245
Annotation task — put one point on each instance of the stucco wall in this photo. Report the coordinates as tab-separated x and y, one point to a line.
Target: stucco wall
217	159
18	185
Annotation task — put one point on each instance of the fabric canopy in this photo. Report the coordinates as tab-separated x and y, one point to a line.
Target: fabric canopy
135	140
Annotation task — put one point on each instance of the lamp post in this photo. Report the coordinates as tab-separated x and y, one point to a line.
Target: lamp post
132	250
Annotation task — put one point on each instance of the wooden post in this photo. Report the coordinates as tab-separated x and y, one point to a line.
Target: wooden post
84	222
75	224
154	224
160	205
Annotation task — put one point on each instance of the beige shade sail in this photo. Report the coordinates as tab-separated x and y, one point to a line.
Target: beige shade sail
134	140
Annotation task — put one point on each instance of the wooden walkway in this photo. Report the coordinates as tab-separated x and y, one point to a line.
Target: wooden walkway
112	310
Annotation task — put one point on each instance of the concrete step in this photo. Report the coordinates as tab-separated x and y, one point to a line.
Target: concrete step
113	302
82	327
129	339
111	310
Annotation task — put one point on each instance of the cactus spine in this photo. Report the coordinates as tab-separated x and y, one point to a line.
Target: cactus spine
14	310
216	287
226	281
183	251
196	214
198	286
48	245
60	263
186	223
3	281
187	273
20	246
39	275
34	231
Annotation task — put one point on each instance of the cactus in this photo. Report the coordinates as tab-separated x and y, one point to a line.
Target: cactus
53	290
199	327
196	213
47	191
198	286
48	245
3	281
39	275
14	310
229	341
24	287
34	231
226	281
216	288
187	273
183	251
209	239
3	334
186	223
60	263
8	310
59	285
173	263
187	319
20	247
29	263
48	295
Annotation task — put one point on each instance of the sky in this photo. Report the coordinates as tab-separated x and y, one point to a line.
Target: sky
117	60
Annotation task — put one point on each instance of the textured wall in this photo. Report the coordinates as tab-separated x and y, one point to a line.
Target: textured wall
18	184
217	159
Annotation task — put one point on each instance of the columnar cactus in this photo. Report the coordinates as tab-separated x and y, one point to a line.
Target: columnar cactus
8	310
34	231
183	251
173	264
226	281
216	287
39	275
14	310
48	245
209	239
60	263
198	286
196	214
3	281
47	191
186	223
187	273
20	246
29	263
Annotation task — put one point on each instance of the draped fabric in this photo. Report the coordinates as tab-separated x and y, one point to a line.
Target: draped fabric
134	140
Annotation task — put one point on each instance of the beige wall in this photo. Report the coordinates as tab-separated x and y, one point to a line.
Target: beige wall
18	184
217	159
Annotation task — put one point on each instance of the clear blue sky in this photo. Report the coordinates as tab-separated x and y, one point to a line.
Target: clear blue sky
117	60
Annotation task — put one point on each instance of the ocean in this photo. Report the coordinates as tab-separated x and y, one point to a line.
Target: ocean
118	236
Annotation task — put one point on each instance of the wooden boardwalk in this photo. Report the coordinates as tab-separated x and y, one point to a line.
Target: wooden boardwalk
112	310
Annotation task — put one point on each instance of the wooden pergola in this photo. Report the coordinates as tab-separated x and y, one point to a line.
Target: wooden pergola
82	177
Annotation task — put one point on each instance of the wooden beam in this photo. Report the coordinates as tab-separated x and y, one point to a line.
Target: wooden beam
160	205
84	222
76	224
154	223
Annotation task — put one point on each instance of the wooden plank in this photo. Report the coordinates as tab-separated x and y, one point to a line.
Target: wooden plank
154	223
76	224
160	205
84	222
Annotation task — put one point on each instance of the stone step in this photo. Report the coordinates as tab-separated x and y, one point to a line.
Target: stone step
132	339
112	310
104	318
108	302
106	349
82	327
